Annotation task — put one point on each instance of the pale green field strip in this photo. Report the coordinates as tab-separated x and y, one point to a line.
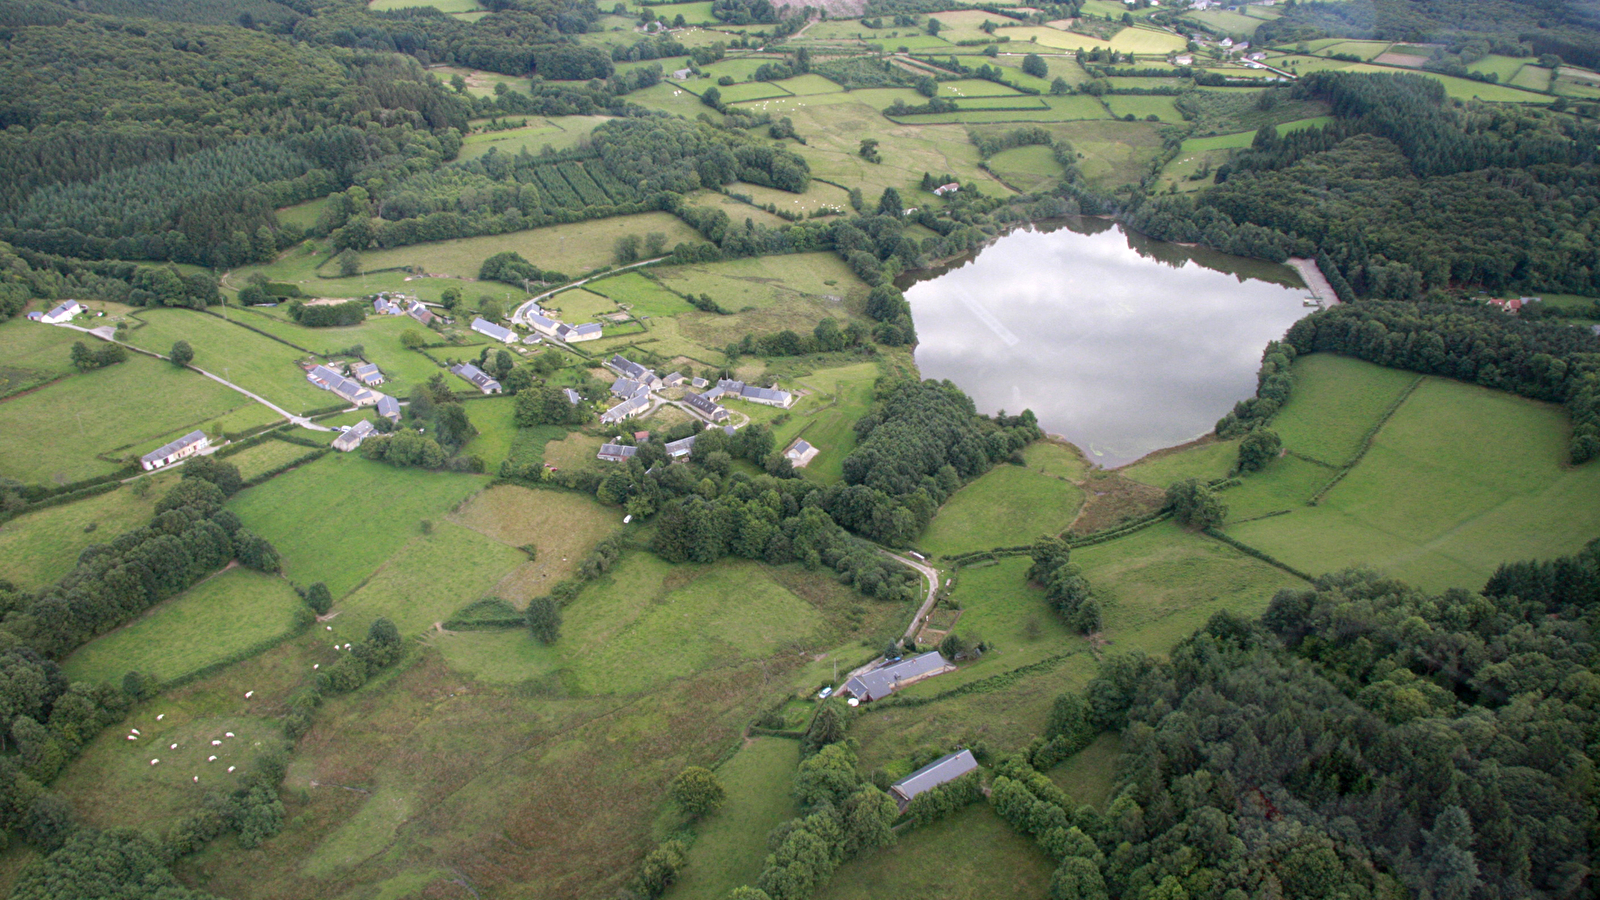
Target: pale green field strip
641	295
1090	776
731	844
302	215
253	361
558	132
1163	108
38	548
1026	168
1206	462
572	249
266	456
428	578
223	615
445	6
53	434
338	519
1459	480
972	855
32	354
1056	109
1242	139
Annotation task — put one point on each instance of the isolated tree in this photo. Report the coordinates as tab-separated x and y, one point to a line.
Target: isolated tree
890	204
319	598
411	339
1194	504
348	262
181	354
1258	448
934	25
544	619
489	307
712	98
869	150
697	792
1033	64
655	243
952	646
252	294
1059	86
82	357
451	298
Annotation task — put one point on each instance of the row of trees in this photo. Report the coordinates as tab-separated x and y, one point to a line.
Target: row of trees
1065	588
327	315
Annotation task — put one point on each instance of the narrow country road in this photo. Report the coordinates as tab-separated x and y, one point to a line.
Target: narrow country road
521	313
928	572
302	421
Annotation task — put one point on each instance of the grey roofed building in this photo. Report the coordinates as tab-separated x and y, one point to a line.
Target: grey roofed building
368	374
572	334
389	407
616	452
672	380
478	378
329	380
768	396
627	367
628	408
705	406
698	383
730	385
882	682
573	396
800	454
352	438
679	449
420	312
543	324
533	339
713	393
625	387
188	445
943	770
502	334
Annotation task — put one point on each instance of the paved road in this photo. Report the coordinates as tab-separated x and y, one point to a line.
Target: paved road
302	421
932	575
521	313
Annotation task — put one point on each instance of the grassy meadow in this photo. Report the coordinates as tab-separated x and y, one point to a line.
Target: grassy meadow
972	855
428	578
252	361
572	249
40	547
32	354
1011	505
731	845
217	618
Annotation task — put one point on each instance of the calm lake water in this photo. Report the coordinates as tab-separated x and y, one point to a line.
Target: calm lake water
1121	344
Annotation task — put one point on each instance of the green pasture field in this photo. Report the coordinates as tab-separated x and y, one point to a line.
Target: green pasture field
1026	168
1142	81
1458	481
731	845
1156	586
54	433
1057	109
818	194
1335	402
975	87
1284	486
1145	39
560	526
693	13
826	416
1089	776
918	43
252	361
1163	108
579	305
1226	22
1008	506
1205	461
479	82
573	248
1455	88
972	855
963	24
378	336
999	606
427	579
740	68
646	623
338	519
497	428
221	616
1214	151
1506	67
1113	152
668	64
302	215
763	282
808	85
641	295
673	98
1029	39
32	353
560	132
1368	50
39	548
1533	77
738	210
742	92
266	456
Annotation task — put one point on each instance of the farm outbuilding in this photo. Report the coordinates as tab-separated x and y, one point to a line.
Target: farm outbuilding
943	770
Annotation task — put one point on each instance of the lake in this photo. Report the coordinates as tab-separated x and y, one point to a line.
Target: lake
1121	344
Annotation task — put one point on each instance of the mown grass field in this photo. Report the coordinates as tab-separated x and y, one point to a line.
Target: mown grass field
497	429
572	249
972	855
642	296
999	606
224	615
1460	479
427	579
731	844
1026	168
1335	403
826	417
37	549
759	283
337	519
53	434
561	526
252	361
1088	777
1207	462
559	132
266	456
1010	505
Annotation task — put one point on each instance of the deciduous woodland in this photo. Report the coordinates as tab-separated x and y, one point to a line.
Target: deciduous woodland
476	448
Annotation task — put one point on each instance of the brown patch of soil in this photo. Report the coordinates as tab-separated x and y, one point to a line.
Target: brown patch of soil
1113	500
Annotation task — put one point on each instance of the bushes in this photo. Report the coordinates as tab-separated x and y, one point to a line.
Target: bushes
1195	505
381	649
945	800
325	315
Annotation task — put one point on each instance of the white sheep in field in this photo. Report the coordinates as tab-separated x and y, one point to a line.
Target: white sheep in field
135	730
132	738
211	759
197	779
216	743
160	717
154	761
173	747
229	734
230	768
249	694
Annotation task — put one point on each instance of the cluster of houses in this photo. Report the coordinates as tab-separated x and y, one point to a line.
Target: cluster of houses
633	386
567	334
740	391
355	391
676	450
476	377
386	304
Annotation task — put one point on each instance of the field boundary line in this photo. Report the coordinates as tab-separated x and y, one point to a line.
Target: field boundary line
1367	441
1310	459
1248	550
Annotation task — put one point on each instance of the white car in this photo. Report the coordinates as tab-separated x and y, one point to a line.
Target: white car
826	693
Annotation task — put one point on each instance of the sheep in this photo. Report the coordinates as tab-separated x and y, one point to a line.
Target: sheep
173	747
211	759
316	665
160	717
154	761
197	779
216	743
230	768
135	730
132	738
229	734
249	694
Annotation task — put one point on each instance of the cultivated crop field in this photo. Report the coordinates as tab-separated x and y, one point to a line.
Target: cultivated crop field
225	615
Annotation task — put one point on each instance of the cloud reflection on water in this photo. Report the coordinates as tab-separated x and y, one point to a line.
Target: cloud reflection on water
1122	353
